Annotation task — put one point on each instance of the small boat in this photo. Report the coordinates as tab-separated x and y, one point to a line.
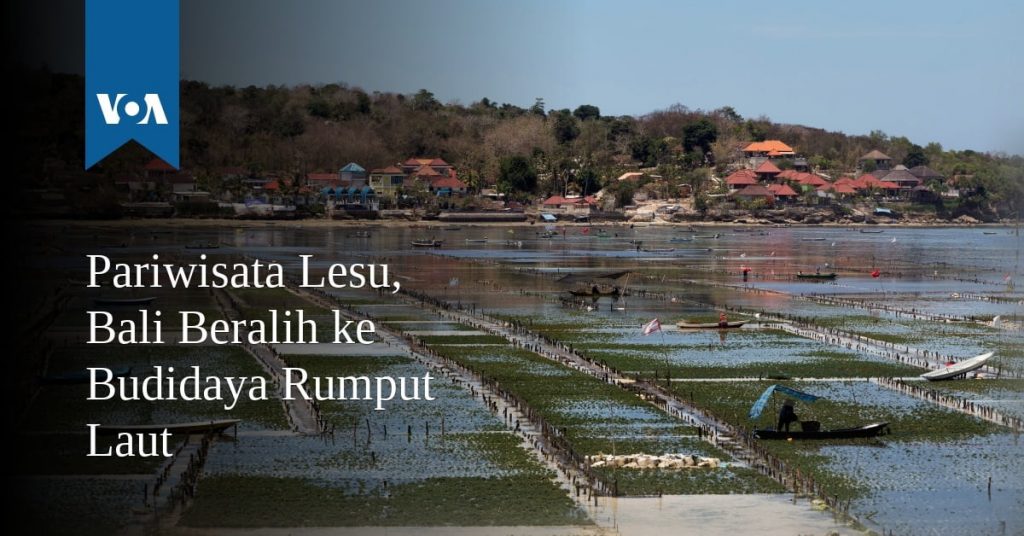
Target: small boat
453	228
658	250
203	245
547	234
828	276
636	242
872	231
514	243
710	325
957	369
476	240
174	428
679	239
124	301
79	377
988	232
868	430
814	239
713	236
427	243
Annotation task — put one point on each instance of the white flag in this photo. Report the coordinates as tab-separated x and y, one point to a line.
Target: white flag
652	326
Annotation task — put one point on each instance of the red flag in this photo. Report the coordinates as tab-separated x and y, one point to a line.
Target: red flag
876	273
651	327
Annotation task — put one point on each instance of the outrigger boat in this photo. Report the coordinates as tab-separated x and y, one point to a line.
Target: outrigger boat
710	325
809	429
872	231
427	243
174	428
868	430
830	275
956	369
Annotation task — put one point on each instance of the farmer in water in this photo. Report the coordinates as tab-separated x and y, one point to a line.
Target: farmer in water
786	416
722	320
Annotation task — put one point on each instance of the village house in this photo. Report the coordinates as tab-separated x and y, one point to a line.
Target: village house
876	159
741	179
387	181
754	192
448	186
570	206
352	175
759	151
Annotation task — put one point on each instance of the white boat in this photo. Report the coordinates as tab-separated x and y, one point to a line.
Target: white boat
957	369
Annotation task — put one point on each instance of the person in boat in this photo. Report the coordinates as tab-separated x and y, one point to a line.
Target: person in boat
723	321
786	416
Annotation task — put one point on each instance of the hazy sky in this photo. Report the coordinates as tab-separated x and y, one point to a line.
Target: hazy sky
951	72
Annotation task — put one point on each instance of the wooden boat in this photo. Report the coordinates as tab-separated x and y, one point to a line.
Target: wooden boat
453	228
830	275
988	232
658	250
595	292
868	430
957	369
710	325
174	428
79	377
476	240
680	239
815	239
427	243
872	231
713	236
124	301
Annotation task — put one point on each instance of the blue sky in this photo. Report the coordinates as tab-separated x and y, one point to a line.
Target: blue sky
951	72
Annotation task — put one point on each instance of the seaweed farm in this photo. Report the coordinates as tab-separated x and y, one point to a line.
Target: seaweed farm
558	405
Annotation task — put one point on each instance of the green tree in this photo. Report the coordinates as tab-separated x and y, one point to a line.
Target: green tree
648	150
538	107
424	101
516	174
915	157
699	134
565	127
587	111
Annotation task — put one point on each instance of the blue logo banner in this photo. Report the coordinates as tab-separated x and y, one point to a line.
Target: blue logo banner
131	77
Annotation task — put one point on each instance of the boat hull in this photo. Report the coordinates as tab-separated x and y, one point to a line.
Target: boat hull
962	367
869	430
819	277
711	325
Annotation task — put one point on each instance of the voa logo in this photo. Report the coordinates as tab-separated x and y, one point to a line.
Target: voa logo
112	109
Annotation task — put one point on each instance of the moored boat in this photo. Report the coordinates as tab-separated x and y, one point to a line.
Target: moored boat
710	325
658	250
956	369
427	243
830	275
872	231
868	430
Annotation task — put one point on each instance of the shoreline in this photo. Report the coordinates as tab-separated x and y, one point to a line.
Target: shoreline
433	224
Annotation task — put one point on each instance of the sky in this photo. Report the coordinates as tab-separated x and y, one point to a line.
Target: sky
950	72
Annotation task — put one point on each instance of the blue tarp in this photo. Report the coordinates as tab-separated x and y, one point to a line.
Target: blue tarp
758	407
548	217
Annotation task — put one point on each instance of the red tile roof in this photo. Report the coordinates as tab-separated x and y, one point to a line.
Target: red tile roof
754	190
768	146
426	171
781	190
768	167
392	170
322	177
741	178
448	182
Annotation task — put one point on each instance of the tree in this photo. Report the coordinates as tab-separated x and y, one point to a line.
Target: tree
915	157
648	150
699	134
538	107
424	101
516	174
587	111
565	127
